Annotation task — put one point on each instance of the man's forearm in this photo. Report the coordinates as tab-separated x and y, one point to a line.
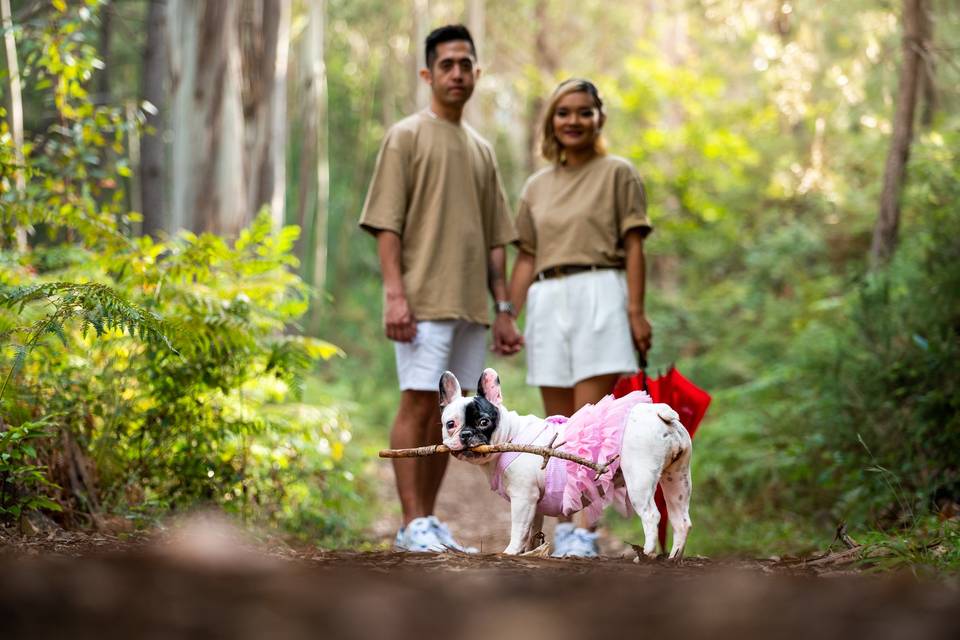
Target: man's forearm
497	273
390	250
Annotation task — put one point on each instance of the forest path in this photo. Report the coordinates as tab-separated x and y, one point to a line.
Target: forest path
222	590
206	579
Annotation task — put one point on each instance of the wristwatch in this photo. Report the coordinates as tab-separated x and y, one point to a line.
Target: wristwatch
505	306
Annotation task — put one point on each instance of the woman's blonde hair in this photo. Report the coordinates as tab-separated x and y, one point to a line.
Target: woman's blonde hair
550	148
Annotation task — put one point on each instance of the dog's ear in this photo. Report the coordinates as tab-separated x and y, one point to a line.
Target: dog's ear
489	387
449	388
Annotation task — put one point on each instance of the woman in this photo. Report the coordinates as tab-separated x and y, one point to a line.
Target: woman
581	221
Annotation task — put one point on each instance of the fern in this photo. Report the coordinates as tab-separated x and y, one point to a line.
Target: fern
94	305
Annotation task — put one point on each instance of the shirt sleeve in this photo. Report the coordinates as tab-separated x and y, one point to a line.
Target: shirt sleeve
631	203
385	208
502	229
526	232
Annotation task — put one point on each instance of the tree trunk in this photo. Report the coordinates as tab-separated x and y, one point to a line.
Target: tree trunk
152	149
208	187
476	109
548	64
916	39
16	108
102	95
310	96
421	29
265	41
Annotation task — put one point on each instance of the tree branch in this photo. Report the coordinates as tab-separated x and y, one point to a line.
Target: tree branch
546	452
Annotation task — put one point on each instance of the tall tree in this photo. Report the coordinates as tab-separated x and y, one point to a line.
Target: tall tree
16	106
421	29
310	203
208	190
265	43
548	62
152	149
916	48
476	112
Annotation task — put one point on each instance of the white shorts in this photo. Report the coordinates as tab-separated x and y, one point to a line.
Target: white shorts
441	345
577	328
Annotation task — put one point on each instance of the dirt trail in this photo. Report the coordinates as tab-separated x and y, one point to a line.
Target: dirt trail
239	594
207	580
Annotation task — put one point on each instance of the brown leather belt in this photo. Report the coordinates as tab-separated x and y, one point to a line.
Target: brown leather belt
569	269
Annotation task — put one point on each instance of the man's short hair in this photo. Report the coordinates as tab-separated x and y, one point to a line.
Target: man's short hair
448	33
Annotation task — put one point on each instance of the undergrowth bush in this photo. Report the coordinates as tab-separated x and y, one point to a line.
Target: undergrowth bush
883	388
141	375
172	383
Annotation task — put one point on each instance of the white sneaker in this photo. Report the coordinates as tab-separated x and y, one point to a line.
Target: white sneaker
571	542
561	534
443	533
419	536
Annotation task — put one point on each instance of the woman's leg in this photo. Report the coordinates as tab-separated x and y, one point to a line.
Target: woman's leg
593	389
557	401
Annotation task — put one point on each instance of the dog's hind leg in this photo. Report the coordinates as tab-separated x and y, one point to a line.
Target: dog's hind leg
677	485
641	482
642	459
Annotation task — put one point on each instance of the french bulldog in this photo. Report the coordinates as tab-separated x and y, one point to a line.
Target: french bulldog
656	449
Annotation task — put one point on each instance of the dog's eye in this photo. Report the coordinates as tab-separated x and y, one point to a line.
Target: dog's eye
484	422
450	424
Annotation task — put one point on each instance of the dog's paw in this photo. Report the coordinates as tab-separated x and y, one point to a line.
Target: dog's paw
641	556
543	551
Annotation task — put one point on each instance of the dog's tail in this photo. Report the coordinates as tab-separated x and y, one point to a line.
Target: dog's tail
668	415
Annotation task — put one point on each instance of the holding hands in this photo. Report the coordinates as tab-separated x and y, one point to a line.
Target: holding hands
507	339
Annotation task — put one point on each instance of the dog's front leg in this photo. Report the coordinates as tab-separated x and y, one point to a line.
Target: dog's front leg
523	509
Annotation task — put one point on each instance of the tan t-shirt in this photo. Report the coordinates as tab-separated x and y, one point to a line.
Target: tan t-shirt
580	215
436	184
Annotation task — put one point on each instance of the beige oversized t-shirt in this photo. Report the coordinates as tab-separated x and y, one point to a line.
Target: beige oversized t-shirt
436	184
580	215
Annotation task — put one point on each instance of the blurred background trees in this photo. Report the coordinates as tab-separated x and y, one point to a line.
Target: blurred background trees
783	144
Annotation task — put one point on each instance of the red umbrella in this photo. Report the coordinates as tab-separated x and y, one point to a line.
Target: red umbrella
686	398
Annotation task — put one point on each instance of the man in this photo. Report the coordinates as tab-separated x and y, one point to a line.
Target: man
441	220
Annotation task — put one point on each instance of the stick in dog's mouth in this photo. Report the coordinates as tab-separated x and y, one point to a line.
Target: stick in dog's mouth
486	449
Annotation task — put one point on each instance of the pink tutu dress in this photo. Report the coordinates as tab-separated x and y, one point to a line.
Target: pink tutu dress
594	432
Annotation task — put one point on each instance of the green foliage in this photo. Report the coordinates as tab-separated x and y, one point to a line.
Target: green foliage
187	390
22	482
181	391
928	548
888	380
94	305
760	133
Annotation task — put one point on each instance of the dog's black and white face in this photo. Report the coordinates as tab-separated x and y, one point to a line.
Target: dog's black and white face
469	422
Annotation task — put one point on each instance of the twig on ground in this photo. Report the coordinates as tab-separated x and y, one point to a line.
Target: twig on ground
843	537
546	452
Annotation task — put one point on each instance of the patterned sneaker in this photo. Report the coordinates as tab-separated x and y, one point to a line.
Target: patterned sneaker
446	538
570	542
419	536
